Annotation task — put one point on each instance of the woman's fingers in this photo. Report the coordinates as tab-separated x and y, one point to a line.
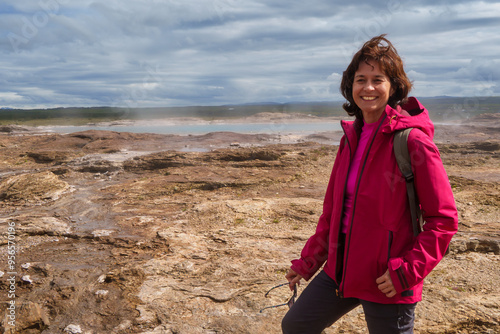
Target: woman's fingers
385	285
293	278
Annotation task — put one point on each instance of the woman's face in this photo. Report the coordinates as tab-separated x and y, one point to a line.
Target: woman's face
371	90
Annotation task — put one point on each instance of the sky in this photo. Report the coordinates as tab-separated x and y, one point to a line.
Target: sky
161	53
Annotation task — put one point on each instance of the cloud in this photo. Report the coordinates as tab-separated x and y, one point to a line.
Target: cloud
173	52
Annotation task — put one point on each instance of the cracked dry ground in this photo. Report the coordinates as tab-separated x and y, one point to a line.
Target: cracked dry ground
114	240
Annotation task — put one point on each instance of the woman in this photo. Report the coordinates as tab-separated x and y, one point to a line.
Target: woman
365	232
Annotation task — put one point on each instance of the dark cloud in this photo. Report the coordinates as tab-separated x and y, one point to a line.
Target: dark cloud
62	53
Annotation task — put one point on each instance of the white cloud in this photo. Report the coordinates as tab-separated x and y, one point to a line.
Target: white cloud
175	52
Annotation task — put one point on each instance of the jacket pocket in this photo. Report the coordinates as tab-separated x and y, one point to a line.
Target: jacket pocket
389	245
402	278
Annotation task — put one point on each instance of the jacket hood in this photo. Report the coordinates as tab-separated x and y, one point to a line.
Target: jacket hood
411	115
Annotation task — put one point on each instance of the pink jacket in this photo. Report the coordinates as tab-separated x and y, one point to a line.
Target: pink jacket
380	234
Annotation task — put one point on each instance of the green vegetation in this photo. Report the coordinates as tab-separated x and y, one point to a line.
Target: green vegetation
79	116
239	221
60	116
440	108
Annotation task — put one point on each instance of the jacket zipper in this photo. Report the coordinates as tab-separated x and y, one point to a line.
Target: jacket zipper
340	293
389	247
337	291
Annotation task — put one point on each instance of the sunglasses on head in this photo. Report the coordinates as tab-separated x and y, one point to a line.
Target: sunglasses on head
289	303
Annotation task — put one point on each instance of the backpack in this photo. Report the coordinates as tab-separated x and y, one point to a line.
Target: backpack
404	163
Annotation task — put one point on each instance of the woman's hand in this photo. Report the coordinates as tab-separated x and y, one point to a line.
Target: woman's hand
293	278
385	285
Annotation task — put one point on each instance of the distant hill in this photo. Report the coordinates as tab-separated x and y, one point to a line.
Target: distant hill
440	109
96	114
451	108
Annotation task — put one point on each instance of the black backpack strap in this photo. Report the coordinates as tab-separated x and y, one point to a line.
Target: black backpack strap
404	163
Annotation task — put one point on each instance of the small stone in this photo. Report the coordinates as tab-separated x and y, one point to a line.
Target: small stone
124	326
27	279
163	329
146	316
73	329
26	265
101	294
102	233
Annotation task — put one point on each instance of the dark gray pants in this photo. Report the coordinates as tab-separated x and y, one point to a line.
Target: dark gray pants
318	307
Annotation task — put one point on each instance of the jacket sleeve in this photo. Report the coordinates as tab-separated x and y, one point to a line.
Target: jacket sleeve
439	213
315	251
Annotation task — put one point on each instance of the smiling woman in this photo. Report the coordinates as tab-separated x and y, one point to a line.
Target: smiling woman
378	61
365	237
371	90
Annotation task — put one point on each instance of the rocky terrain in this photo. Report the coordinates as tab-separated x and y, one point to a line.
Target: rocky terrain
139	233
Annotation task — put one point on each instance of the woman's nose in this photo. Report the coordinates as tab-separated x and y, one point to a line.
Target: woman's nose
369	86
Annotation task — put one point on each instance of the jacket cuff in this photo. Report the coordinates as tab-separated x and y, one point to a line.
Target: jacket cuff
300	267
397	273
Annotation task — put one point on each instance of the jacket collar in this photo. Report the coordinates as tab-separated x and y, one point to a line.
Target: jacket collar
411	115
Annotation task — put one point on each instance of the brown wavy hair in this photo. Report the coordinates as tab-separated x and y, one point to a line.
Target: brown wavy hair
381	50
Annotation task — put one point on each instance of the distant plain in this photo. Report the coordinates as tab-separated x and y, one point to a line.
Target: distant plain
441	109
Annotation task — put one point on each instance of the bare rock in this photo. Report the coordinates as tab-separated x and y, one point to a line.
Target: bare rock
73	329
102	233
489	146
160	330
158	161
102	166
123	326
475	244
101	294
32	188
14	128
50	156
248	154
98	163
199	237
28	225
30	316
146	316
